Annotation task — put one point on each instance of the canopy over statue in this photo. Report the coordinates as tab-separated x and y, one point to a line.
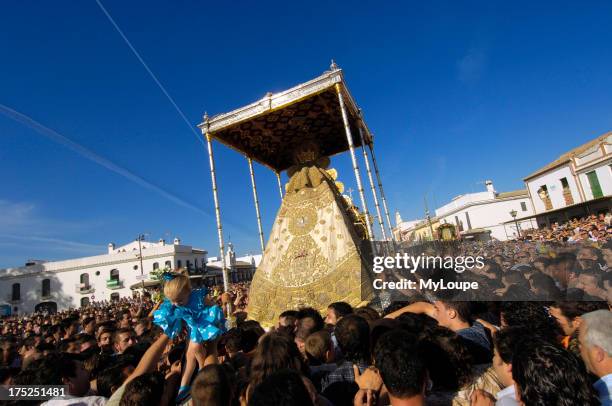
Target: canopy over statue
269	130
312	256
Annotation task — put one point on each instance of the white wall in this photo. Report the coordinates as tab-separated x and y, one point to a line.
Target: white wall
491	215
65	276
404	226
604	174
552	180
463	200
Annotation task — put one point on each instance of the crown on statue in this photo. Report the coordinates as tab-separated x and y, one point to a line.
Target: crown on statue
306	152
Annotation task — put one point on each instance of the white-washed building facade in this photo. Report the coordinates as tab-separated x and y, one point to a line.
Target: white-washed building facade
488	211
58	285
578	183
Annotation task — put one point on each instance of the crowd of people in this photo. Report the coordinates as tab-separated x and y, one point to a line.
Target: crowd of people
594	228
571	261
423	353
551	350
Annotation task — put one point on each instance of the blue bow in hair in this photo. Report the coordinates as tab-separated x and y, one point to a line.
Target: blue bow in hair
167	276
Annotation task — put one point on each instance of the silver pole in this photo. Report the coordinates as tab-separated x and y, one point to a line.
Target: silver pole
369	172
382	193
349	138
256	200
213	177
280	185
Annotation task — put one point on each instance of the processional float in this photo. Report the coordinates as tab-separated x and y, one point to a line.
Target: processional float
313	255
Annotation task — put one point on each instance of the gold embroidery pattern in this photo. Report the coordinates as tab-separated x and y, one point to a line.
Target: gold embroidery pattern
302	221
312	256
342	285
302	264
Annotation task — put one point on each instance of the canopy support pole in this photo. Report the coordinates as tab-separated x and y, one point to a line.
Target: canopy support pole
349	138
213	178
382	193
280	185
372	187
256	200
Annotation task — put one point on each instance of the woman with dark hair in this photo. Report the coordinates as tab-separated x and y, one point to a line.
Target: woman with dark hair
274	352
282	388
546	374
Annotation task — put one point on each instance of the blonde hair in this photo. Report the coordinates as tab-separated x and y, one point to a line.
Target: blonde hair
178	284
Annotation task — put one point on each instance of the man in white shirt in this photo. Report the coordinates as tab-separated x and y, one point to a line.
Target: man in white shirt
595	338
504	342
62	369
76	401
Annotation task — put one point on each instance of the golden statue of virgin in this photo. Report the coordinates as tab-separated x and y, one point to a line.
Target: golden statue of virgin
313	253
312	256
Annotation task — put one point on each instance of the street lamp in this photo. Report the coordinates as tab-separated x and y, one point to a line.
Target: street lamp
141	238
513	213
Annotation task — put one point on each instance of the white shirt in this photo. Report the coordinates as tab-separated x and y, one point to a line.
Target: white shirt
507	397
73	401
603	386
115	398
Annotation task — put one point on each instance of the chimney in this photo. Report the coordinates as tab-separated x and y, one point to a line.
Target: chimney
177	241
162	242
111	247
490	188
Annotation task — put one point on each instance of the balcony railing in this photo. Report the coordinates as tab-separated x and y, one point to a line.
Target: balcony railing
114	284
84	288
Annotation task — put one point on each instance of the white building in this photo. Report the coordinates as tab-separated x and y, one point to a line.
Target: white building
403	226
575	184
74	282
488	210
241	268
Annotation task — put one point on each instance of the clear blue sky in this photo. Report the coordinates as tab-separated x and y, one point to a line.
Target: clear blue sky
456	93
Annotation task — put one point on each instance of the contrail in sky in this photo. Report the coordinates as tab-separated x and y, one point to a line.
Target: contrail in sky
150	72
92	156
66	243
162	88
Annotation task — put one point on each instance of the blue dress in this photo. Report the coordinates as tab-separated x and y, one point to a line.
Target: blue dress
204	322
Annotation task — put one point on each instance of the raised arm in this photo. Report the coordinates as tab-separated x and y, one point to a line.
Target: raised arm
149	360
416	307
